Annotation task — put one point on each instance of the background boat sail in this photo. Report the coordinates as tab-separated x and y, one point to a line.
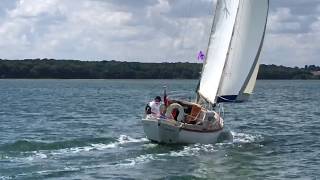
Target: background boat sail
229	74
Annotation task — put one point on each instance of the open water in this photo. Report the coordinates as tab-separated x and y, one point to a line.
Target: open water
91	129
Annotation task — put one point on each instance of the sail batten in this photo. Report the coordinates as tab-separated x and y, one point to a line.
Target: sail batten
231	67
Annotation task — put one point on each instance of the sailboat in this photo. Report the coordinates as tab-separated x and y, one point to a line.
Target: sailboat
228	75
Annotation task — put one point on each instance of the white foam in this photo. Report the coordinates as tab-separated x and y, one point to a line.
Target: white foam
43	154
187	151
76	150
71	169
58	170
36	156
193	150
138	160
5	178
4	157
101	146
123	139
245	138
150	145
95	166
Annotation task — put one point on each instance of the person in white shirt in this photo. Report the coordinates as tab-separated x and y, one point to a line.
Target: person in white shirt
153	107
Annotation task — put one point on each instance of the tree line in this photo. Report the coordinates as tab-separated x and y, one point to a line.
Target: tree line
75	69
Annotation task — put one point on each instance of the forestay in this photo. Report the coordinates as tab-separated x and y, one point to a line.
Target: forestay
230	71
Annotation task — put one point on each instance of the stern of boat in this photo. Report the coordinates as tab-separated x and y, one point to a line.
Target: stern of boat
161	130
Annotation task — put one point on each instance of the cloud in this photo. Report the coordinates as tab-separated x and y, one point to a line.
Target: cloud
293	33
145	30
54	28
34	8
282	21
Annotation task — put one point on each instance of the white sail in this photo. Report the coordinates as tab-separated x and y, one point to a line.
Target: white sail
244	52
240	66
222	29
250	86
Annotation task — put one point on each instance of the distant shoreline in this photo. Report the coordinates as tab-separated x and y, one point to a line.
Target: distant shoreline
74	69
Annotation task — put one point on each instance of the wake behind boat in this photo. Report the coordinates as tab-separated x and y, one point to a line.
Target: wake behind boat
229	74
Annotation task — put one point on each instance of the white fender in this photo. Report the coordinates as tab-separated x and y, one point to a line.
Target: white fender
172	106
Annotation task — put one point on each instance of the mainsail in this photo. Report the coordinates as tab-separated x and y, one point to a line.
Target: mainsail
231	67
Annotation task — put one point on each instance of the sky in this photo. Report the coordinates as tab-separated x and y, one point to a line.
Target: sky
146	30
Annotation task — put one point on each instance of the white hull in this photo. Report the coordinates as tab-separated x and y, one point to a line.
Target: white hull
172	132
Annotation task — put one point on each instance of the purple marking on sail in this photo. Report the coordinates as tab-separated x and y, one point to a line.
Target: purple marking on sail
201	56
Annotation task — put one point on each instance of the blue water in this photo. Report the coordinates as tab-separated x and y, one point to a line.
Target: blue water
91	129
